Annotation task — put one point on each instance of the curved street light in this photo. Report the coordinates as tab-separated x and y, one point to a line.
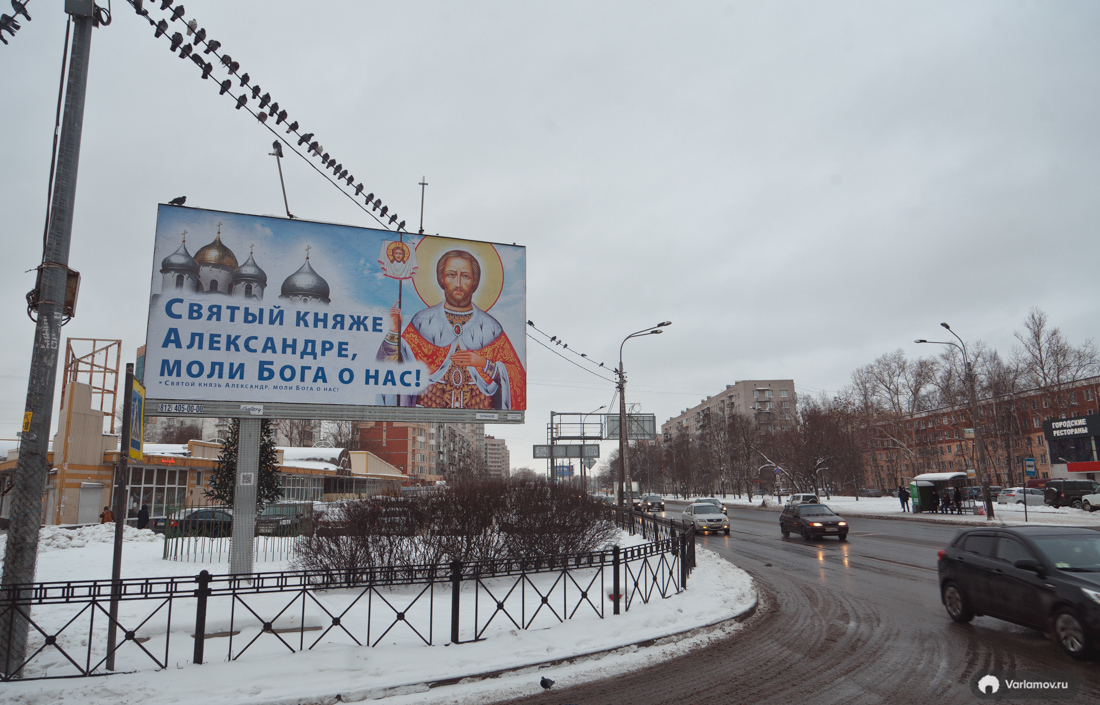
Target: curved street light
581	462
973	395
623	474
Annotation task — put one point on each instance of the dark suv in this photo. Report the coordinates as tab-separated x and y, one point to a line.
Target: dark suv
1045	577
1062	493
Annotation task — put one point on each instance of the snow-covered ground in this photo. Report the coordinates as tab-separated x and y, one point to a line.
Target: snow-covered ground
890	507
583	648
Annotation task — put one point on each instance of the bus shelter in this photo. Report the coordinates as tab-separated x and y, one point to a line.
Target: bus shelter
943	483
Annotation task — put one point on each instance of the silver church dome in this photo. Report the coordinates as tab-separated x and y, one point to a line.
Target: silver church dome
180	261
250	272
306	283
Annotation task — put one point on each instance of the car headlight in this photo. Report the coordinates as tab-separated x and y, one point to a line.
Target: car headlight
842	523
816	523
1092	595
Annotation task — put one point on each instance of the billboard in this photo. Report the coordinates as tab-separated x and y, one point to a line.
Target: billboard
262	315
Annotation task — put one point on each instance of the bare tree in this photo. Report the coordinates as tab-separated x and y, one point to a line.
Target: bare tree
342	434
1047	360
296	433
178	434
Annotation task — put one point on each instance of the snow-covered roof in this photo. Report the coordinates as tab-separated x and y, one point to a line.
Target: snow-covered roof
331	455
309	464
176	449
939	476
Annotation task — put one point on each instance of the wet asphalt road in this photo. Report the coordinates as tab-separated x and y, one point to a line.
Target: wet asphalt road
838	622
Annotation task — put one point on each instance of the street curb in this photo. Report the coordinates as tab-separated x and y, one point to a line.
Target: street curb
424	686
906	516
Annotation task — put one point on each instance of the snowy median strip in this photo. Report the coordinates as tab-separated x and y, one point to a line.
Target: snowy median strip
499	666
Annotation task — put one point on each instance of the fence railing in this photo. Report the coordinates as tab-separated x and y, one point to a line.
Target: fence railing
174	620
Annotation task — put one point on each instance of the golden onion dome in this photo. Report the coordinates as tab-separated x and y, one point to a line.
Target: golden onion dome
216	255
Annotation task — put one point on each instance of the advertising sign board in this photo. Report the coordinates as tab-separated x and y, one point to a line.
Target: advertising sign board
137	421
640	427
254	311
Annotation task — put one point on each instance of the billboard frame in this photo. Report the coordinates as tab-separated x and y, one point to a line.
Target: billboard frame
326	412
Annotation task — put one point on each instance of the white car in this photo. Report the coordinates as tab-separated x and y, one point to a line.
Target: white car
804	499
1015	495
706	517
1090	502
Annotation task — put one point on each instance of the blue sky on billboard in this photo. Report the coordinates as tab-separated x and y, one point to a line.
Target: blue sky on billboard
799	187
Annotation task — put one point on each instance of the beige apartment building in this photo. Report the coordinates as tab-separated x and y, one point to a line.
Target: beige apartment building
769	402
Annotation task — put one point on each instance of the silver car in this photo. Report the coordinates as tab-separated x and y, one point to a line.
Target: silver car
706	517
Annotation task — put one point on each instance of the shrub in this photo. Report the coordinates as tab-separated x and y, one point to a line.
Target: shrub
473	521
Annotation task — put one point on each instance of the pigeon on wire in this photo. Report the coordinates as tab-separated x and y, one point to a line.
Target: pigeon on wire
178	201
546	683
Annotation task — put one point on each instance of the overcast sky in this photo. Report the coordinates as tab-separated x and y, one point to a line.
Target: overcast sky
799	187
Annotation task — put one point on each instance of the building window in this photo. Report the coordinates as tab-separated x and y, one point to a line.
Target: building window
1042	458
1040	441
755	395
1046	404
1037	422
1088	397
163	490
1034	404
767	395
1072	399
179	284
782	394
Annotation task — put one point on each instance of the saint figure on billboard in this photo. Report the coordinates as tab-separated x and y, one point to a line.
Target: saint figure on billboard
397	260
472	363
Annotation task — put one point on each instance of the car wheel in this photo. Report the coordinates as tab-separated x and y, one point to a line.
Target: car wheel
1087	506
1076	504
727	532
1070	633
842	537
783	530
806	533
1019	502
955	602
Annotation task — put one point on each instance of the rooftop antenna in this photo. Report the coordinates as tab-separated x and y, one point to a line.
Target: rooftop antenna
423	183
278	154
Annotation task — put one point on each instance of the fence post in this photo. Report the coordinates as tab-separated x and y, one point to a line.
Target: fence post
616	562
202	593
456	586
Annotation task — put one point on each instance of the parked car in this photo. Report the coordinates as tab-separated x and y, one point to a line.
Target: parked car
712	500
975	493
1015	495
803	499
650	503
870	492
706	517
812	521
290	519
1090	502
1045	577
211	522
1063	493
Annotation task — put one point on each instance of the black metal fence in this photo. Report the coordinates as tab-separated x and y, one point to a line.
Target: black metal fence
261	614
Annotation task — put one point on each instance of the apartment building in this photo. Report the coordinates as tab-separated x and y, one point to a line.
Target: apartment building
769	402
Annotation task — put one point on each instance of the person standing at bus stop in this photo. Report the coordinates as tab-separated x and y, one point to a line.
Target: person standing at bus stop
903	497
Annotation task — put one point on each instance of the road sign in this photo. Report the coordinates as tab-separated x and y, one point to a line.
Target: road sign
590	450
778	471
1029	467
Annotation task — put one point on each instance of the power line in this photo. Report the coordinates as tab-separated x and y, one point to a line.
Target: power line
268	108
571	362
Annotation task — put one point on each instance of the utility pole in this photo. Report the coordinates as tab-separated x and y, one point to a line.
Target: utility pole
32	470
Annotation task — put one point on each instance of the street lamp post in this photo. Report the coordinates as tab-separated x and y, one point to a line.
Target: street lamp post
973	395
623	474
584	469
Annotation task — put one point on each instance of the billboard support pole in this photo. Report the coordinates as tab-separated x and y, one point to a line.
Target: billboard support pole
122	474
32	470
244	496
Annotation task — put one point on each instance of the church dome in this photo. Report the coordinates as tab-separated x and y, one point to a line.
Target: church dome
305	283
216	255
250	272
180	261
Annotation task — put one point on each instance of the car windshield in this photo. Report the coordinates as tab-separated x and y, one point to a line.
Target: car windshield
1073	553
283	511
706	509
652	498
816	509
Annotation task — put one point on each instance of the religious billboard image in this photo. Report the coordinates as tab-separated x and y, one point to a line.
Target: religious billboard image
259	309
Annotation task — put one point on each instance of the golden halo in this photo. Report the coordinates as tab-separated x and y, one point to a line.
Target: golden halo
428	251
397	245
